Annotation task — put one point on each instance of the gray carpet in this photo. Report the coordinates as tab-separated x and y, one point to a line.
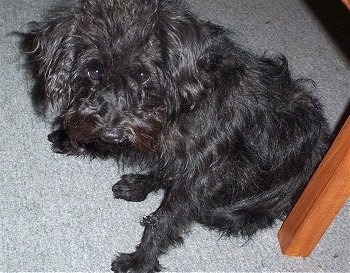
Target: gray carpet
57	213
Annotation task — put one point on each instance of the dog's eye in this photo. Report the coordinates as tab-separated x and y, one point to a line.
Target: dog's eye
144	76
141	75
95	74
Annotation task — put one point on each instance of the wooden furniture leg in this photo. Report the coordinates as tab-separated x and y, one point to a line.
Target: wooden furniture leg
346	3
321	200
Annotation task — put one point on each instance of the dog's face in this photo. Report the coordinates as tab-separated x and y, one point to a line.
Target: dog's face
117	71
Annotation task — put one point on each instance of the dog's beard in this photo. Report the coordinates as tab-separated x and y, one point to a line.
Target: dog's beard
81	128
111	122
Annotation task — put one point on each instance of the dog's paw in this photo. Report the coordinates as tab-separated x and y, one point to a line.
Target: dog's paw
61	143
126	263
123	263
132	187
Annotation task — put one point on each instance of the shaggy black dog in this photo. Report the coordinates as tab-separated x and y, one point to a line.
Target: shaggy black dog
229	136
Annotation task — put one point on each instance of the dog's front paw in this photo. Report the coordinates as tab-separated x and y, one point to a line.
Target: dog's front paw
61	143
132	187
123	263
126	263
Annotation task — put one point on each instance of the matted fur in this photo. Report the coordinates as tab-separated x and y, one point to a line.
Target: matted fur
229	136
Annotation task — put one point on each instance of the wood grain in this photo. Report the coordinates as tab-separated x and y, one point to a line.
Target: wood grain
321	200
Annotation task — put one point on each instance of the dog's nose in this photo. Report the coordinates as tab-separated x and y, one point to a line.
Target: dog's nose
110	135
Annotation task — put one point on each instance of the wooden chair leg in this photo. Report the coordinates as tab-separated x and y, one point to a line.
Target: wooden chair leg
321	200
346	3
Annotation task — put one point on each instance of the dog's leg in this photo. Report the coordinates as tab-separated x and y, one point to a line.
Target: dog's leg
163	229
135	187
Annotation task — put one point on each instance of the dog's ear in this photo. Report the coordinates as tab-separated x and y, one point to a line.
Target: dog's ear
183	41
54	52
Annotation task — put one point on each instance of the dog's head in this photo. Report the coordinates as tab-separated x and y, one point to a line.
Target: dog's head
117	71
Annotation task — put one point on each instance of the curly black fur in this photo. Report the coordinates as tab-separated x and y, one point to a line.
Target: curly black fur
229	136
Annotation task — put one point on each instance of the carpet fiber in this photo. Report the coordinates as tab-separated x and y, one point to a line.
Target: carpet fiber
57	213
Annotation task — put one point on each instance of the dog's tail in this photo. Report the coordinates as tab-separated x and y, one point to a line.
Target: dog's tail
250	214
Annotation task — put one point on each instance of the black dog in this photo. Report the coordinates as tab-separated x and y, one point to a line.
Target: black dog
229	136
